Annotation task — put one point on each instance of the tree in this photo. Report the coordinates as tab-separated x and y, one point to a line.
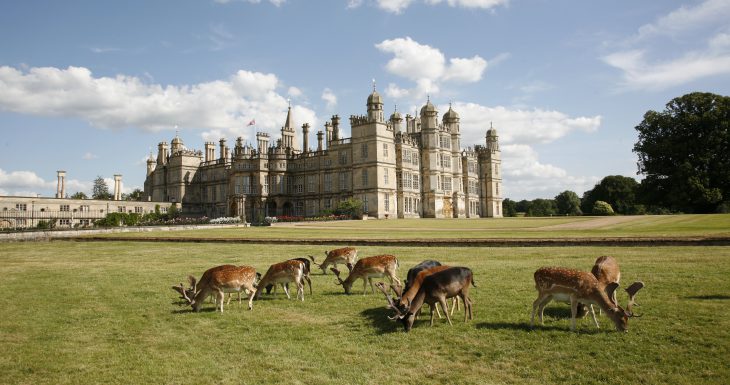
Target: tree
135	195
568	203
351	207
79	195
602	208
523	206
509	208
684	152
542	208
101	189
619	191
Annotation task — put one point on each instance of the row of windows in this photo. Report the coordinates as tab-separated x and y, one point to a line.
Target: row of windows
407	180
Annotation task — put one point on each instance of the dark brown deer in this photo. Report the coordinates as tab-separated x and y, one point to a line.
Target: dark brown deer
437	288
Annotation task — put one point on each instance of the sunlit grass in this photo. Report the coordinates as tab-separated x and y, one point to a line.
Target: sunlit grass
88	313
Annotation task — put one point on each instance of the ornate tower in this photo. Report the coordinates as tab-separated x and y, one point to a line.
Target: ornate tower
490	160
375	107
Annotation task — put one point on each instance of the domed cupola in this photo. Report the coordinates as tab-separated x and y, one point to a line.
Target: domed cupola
375	106
428	109
451	115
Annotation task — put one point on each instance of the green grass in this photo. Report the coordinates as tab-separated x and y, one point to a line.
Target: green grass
103	312
555	227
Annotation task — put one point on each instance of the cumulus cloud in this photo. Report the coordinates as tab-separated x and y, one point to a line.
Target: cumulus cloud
28	183
426	66
686	18
294	92
526	177
89	156
524	126
126	101
330	98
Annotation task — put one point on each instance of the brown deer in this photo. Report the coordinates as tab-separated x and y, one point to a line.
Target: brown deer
414	284
282	273
437	288
220	280
369	268
345	255
561	284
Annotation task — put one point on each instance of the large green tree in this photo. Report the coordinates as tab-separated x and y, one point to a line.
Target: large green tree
684	152
509	208
568	203
542	208
101	189
619	191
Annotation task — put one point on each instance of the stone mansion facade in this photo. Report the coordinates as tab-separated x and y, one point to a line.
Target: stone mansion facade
412	168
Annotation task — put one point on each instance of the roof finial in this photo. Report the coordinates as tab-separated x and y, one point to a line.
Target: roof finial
288	101
373	84
490	124
396	108
428	98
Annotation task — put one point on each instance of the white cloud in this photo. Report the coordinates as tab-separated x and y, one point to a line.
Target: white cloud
524	126
352	4
126	101
274	2
398	6
686	19
294	92
28	183
90	156
640	73
527	178
329	97
426	67
656	57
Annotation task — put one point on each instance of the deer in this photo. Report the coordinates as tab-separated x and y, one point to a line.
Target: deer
307	270
369	268
437	288
190	291
220	280
563	284
345	255
414	284
280	273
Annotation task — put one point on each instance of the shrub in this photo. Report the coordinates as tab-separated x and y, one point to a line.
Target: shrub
350	207
225	220
602	208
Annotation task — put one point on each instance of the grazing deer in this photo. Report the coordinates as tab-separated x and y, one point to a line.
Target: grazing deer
220	280
281	273
561	284
307	270
369	268
345	255
414	284
436	288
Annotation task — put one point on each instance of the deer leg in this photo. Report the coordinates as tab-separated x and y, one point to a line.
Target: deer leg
593	314
220	297
432	307
365	285
300	289
438	313
250	299
286	290
537	307
310	284
372	288
573	311
442	301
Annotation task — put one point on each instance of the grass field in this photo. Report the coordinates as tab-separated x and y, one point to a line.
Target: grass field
103	312
548	227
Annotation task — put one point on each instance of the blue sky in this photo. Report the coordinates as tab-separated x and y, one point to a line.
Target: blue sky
90	87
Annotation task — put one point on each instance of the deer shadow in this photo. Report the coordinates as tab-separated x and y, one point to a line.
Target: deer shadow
710	297
378	317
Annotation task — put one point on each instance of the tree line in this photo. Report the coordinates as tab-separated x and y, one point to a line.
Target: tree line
684	155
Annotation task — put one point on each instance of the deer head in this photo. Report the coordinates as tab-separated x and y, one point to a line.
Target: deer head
345	284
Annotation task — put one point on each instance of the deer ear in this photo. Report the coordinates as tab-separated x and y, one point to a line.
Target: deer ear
610	289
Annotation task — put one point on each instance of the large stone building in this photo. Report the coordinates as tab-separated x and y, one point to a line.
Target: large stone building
412	168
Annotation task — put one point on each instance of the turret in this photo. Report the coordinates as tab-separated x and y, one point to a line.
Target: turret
262	141
492	139
177	144
396	120
287	132
162	153
451	123
305	137
150	164
375	107
428	116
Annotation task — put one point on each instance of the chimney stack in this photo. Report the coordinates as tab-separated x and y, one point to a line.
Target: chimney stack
117	187
61	185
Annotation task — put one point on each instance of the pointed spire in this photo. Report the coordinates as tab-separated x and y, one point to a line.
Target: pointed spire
288	124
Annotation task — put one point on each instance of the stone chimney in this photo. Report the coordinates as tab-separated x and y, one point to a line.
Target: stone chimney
305	137
117	187
209	151
61	184
320	134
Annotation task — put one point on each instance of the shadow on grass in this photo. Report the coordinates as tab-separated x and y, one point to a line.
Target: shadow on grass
710	297
378	318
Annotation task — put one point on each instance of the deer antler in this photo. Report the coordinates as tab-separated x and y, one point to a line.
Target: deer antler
397	289
193	282
391	304
185	294
349	266
632	290
314	262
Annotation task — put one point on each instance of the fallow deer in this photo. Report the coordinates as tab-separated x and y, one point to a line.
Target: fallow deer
307	270
436	288
369	268
281	273
561	284
220	280
345	255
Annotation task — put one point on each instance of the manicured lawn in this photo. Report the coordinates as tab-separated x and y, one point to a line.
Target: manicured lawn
555	227
90	313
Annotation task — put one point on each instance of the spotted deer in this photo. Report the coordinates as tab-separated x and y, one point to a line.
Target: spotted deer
306	276
282	273
437	288
574	286
345	255
220	280
369	268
